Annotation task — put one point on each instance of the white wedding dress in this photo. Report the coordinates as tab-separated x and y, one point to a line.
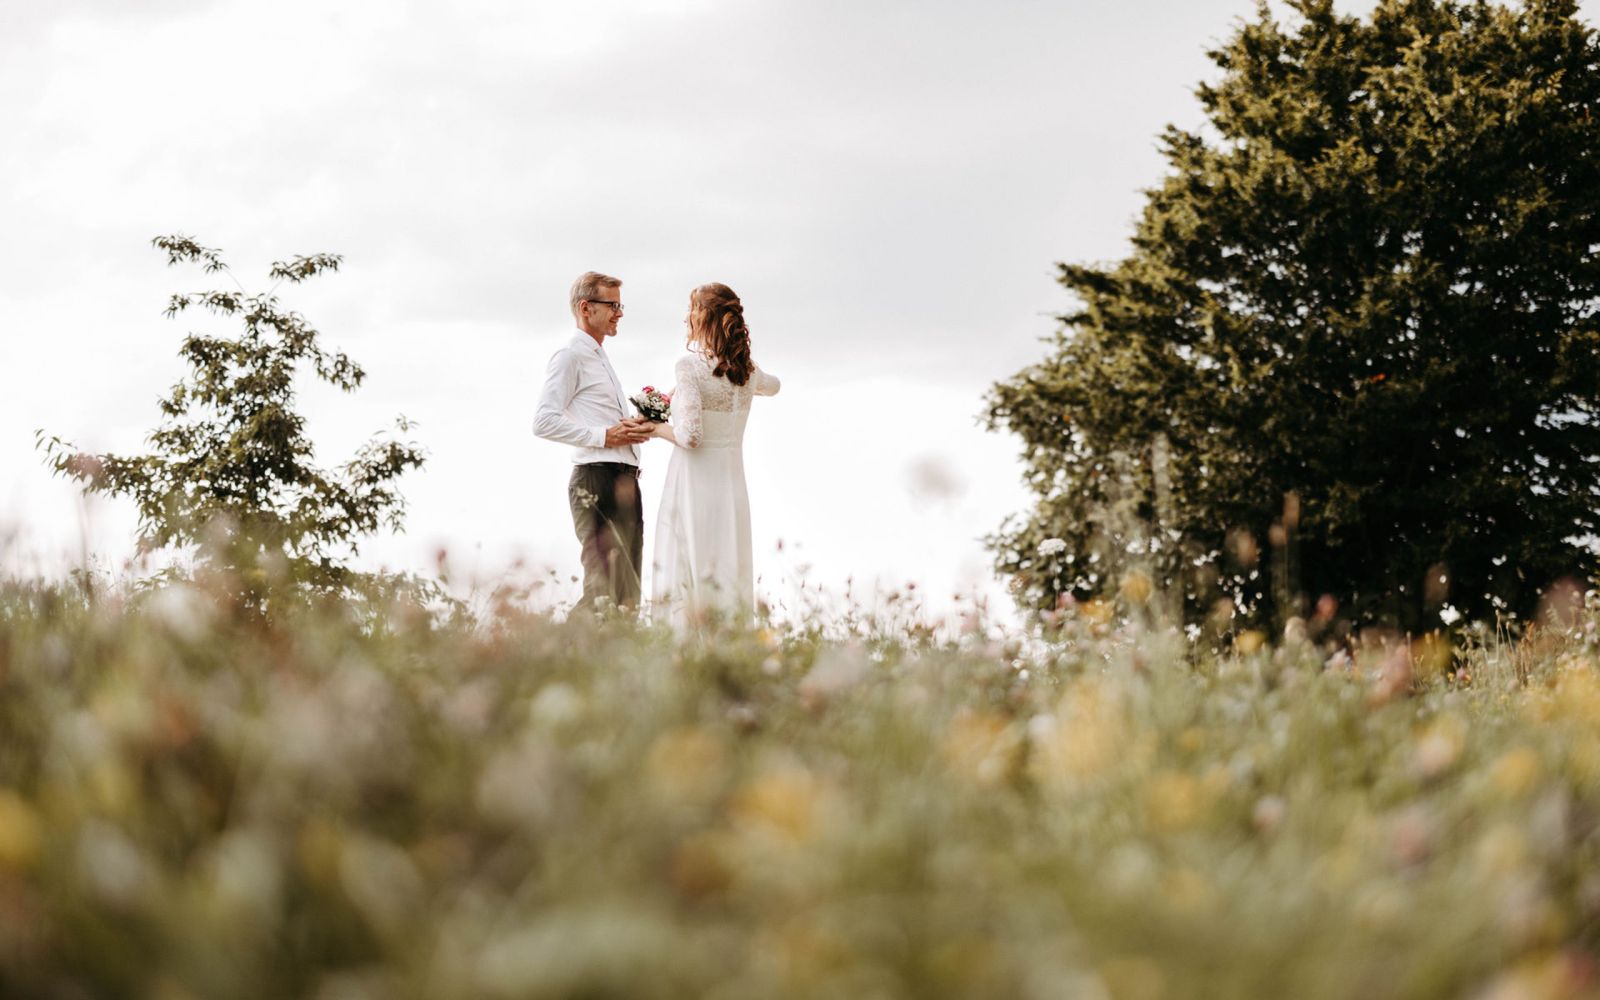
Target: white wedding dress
702	559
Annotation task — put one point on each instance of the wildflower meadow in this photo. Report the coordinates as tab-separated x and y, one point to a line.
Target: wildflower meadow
398	800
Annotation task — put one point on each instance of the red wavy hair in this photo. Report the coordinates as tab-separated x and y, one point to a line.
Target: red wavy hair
716	323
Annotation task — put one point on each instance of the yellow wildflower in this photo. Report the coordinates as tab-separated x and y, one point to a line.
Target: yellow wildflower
983	748
1087	736
21	833
789	805
1515	773
1136	587
1439	747
1173	801
687	765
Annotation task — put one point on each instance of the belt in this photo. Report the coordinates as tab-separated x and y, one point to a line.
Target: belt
610	466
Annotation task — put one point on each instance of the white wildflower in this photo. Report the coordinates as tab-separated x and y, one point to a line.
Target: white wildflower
556	706
183	610
1052	547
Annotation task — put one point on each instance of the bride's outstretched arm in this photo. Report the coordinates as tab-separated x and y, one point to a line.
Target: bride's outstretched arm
764	384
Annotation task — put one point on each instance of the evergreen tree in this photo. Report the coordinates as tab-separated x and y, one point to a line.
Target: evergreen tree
1359	315
231	471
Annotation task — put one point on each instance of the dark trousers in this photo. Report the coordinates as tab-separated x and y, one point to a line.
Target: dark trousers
608	518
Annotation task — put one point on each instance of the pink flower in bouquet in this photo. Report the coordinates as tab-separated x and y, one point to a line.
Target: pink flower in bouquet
653	405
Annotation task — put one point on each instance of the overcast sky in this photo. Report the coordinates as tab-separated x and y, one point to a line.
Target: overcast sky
887	185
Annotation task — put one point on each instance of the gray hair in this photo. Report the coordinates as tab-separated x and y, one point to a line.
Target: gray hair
588	286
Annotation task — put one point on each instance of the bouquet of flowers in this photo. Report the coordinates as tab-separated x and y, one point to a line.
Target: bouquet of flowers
653	404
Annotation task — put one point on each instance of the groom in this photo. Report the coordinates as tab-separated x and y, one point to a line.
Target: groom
584	405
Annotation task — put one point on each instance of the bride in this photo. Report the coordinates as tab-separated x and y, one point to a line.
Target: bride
702	556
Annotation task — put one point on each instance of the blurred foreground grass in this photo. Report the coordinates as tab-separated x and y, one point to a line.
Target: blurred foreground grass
396	807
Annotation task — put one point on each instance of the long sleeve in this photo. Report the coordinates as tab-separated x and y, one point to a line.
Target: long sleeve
687	426
763	384
550	420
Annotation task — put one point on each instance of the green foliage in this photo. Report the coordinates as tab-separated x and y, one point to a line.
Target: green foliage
231	468
1358	315
193	805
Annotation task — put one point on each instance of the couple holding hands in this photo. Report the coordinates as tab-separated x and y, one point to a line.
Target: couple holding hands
702	559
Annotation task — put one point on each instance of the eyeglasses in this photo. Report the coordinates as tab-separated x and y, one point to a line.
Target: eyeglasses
613	303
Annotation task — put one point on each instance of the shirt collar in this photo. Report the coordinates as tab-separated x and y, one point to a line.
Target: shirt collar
582	339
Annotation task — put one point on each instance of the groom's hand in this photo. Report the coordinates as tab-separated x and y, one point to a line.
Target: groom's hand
630	431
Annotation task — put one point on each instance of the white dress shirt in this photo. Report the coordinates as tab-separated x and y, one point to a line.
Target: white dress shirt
582	396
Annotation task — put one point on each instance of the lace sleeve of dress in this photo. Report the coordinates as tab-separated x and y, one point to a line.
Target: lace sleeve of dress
686	405
763	384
